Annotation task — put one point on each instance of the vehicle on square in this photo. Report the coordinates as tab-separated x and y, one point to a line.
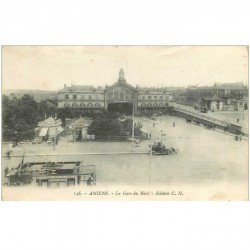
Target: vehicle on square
158	148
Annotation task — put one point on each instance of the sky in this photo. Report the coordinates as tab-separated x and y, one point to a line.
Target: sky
50	67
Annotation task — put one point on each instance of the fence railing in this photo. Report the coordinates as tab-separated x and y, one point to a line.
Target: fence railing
211	119
214	120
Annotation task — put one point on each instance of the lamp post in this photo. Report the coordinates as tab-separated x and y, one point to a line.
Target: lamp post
133	124
55	136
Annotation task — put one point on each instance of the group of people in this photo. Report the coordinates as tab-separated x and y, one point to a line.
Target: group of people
238	138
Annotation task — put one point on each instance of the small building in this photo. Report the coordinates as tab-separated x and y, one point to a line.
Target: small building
77	129
52	174
213	103
49	129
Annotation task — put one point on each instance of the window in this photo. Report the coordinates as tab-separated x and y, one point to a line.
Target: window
97	97
143	98
149	97
82	97
161	98
66	96
155	97
90	97
74	96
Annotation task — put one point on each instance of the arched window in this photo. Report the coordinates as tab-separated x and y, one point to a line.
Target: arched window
149	97
161	97
155	97
90	97
82	97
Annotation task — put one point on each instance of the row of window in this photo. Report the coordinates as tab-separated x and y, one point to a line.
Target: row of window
83	97
153	104
96	97
155	98
90	105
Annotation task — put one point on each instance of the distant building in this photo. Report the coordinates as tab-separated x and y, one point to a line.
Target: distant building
50	103
227	91
118	96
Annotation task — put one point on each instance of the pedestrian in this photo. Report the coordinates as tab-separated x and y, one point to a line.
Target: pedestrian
154	124
150	135
6	171
89	181
8	154
173	124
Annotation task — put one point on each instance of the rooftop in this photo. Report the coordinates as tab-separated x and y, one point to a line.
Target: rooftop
214	98
233	85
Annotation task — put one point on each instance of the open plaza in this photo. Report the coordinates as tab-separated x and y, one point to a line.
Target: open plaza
204	157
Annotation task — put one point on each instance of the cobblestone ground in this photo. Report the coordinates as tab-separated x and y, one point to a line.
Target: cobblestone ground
205	157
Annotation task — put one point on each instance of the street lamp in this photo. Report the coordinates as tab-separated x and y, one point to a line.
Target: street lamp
133	124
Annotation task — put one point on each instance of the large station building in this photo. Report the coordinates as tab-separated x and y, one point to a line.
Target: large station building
118	96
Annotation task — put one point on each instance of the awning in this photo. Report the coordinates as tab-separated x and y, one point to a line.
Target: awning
43	132
53	131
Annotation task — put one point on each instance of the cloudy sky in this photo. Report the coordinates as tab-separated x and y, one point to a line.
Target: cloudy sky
50	67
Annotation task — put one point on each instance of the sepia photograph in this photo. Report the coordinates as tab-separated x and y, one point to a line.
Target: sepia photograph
125	123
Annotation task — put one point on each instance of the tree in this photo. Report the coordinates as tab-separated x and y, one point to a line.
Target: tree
22	115
109	124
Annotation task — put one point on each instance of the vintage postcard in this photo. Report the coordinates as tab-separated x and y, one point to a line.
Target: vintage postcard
124	123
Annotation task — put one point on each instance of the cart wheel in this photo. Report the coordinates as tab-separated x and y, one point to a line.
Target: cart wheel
153	153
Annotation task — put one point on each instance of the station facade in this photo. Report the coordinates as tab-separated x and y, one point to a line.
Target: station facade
118	95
